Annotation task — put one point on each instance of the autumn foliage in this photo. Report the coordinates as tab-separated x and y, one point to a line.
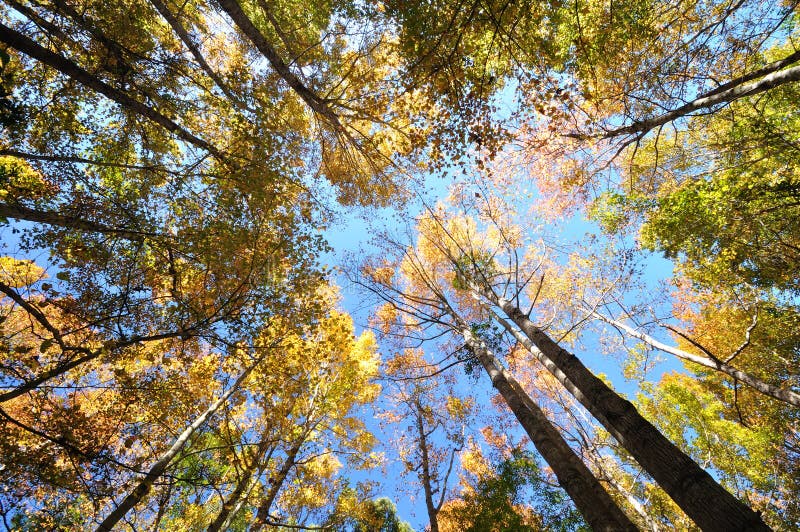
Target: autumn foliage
575	302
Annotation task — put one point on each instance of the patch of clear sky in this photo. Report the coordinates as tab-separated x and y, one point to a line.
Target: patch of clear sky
353	236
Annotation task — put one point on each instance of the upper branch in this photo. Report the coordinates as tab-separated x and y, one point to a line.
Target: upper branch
771	76
29	47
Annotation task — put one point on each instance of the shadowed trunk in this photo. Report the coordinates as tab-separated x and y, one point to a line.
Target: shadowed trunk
18	212
426	470
20	42
158	469
707	503
589	496
276	481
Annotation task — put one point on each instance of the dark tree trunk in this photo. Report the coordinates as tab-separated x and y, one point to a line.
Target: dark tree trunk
589	496
19	212
276	481
230	506
707	503
426	470
29	47
240	18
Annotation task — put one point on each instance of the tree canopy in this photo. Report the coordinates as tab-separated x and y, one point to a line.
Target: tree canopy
574	304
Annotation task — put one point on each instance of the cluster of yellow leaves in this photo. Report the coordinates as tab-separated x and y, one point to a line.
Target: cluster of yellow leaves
406	362
20	273
312	486
460	408
473	461
20	181
385	318
361	155
380	274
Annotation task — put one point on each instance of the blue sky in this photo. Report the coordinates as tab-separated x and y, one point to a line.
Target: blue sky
353	236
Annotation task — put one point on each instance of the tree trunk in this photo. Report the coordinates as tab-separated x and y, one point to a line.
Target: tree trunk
240	18
18	212
158	469
276	481
733	90
426	470
594	503
707	503
29	47
232	505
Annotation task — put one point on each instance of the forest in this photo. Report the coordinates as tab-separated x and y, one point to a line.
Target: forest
397	265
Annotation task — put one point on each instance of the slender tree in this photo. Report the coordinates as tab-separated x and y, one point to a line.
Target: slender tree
160	466
450	248
423	299
432	417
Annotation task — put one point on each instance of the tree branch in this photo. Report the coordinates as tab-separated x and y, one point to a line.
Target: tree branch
771	77
29	47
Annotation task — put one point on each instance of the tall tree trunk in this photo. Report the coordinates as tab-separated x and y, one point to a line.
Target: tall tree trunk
20	42
245	484
591	499
707	503
426	470
158	469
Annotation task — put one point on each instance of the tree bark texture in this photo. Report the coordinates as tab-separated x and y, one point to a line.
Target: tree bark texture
589	496
704	500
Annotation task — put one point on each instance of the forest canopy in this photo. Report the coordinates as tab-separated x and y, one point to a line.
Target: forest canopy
575	303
